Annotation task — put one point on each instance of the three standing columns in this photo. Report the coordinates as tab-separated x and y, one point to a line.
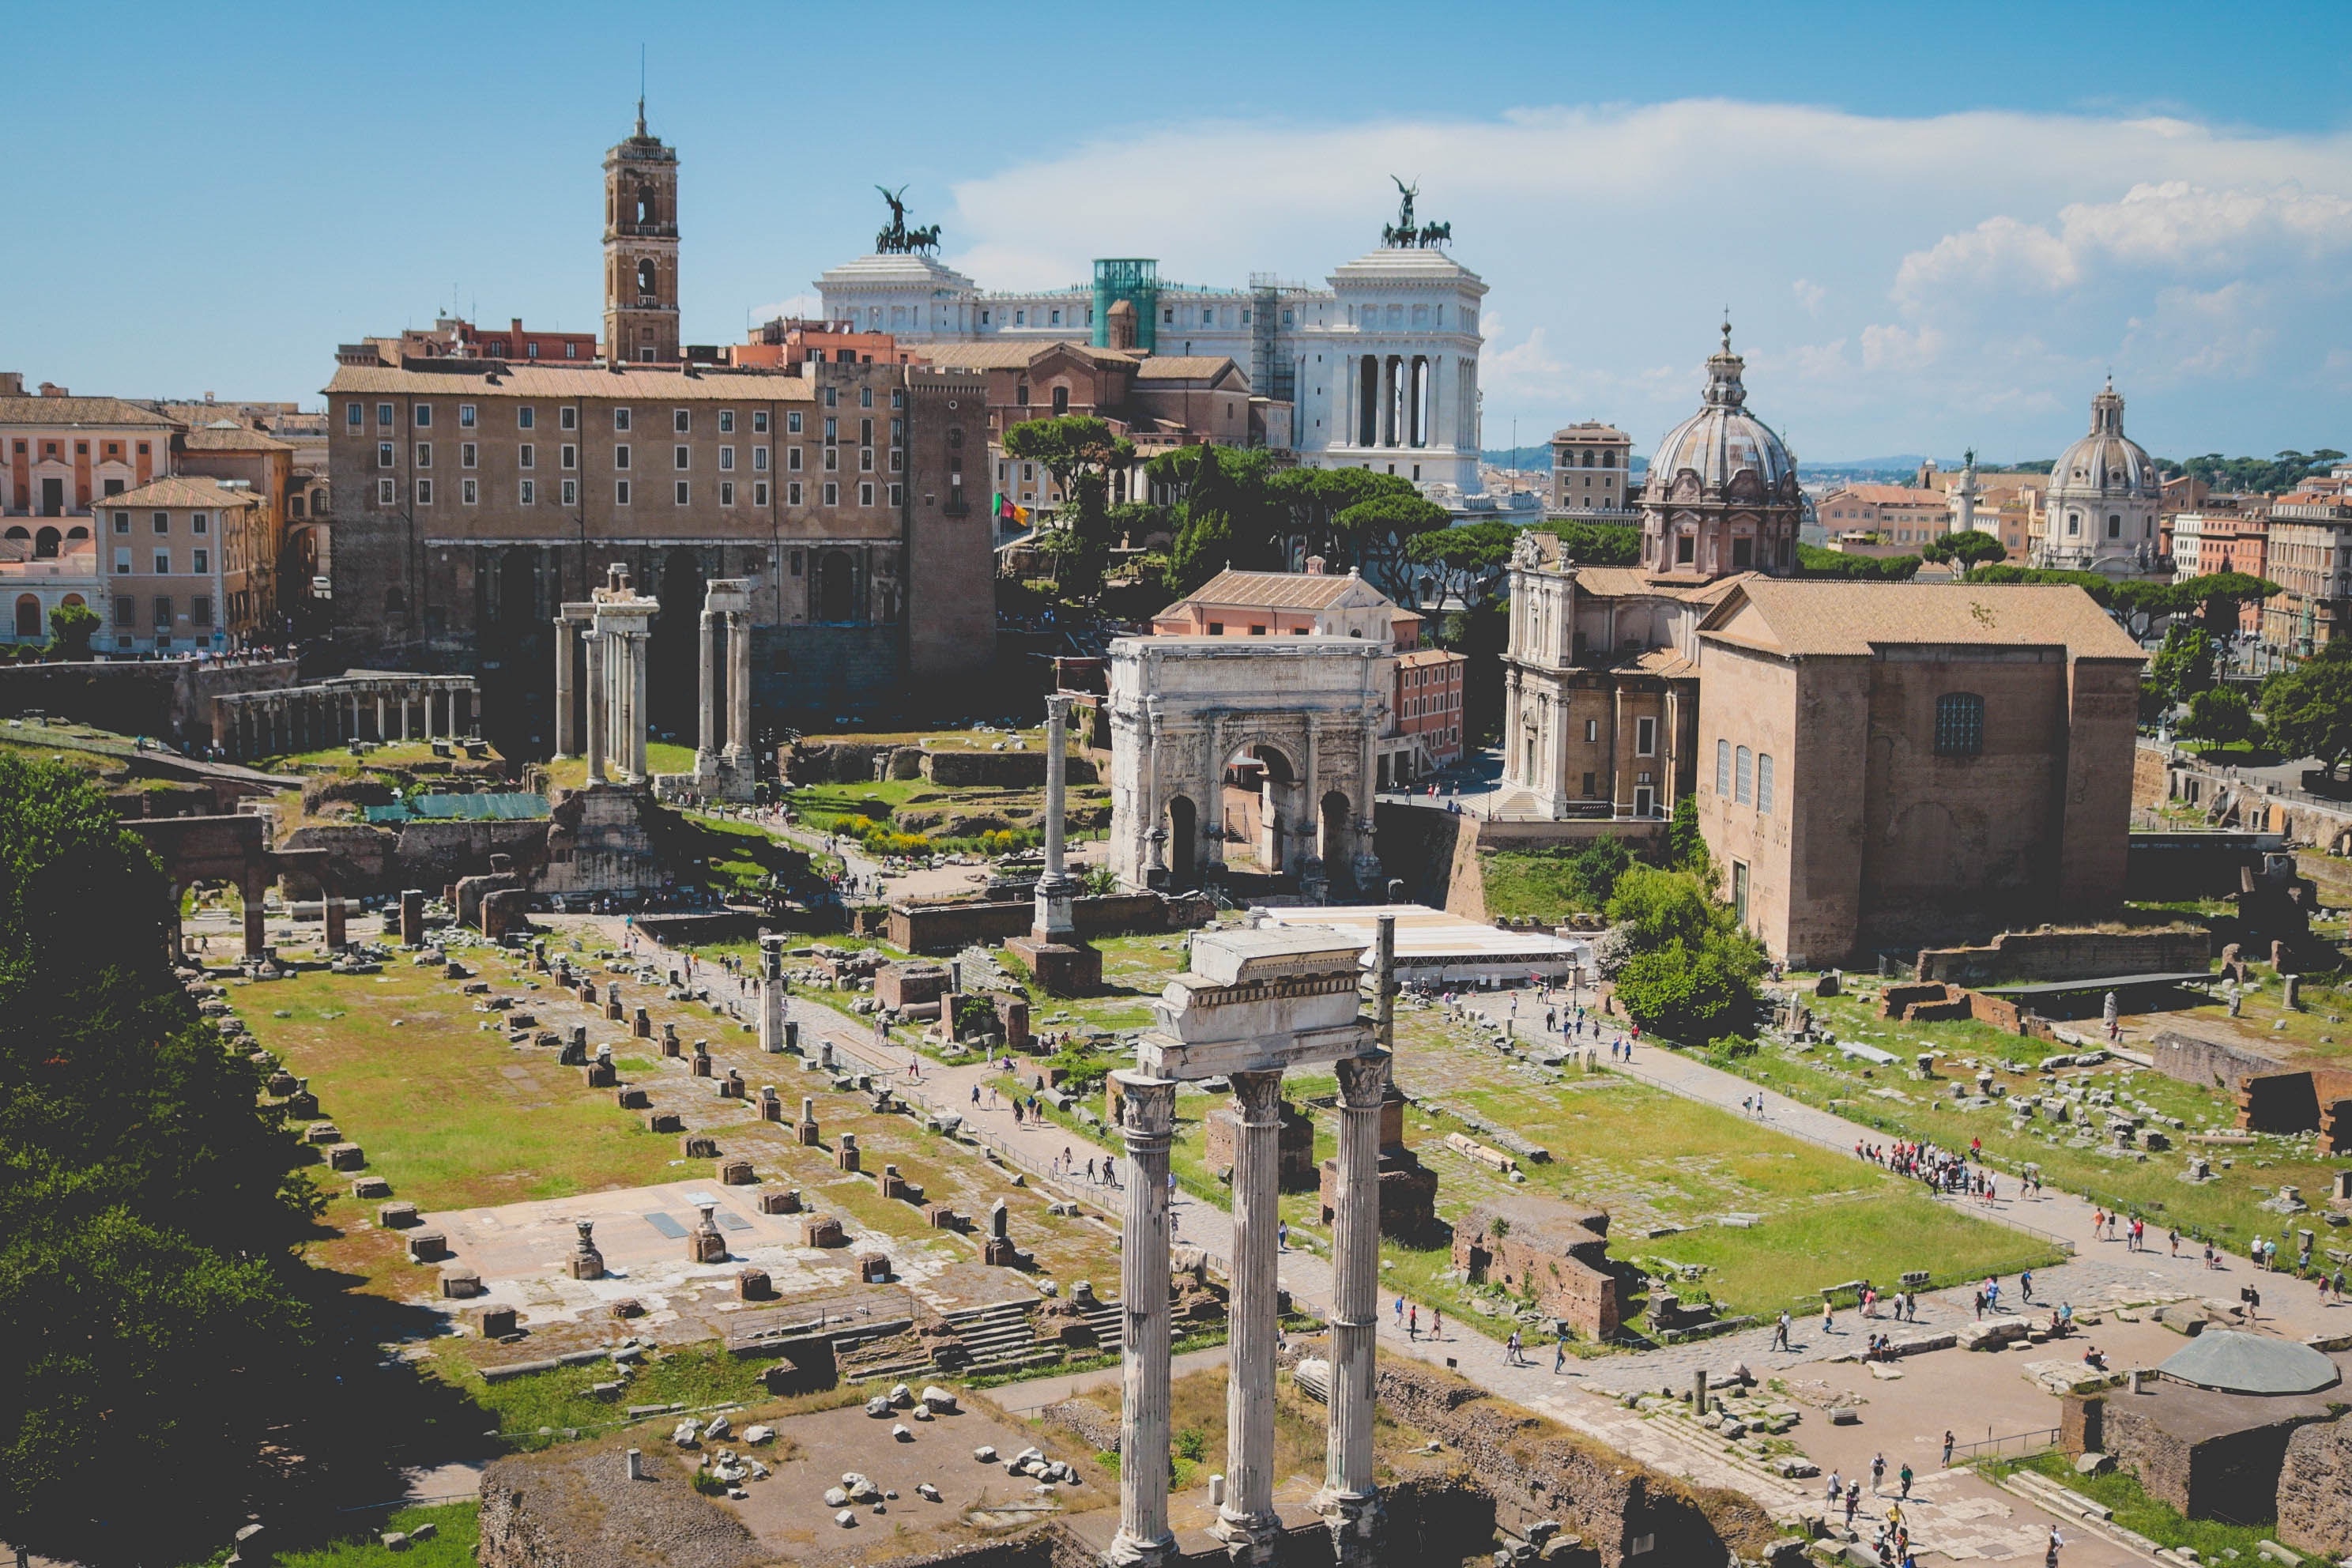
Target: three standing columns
1247	1521
1148	1121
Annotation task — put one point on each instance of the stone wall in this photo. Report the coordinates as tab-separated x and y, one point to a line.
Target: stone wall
1295	1146
951	927
2068	955
597	841
166	698
2209	1064
2211	1456
1535	1470
1561	1259
2315	1490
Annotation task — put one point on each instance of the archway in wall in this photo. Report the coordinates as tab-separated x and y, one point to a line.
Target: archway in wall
676	670
834	593
29	616
1263	820
46	543
1183	844
1336	842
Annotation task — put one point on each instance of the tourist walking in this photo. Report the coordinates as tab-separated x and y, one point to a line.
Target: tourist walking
1903	1475
1948	1447
1877	1472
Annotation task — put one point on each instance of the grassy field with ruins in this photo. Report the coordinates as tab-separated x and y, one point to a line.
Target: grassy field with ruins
1891	1098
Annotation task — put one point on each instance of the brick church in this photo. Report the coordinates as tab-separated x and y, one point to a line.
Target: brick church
1876	766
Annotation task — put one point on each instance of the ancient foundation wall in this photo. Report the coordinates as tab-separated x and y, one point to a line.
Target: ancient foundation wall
2315	1490
950	928
2068	955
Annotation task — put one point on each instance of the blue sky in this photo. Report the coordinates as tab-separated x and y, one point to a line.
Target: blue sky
1934	226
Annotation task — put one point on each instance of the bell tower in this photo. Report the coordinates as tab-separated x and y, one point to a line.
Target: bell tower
641	249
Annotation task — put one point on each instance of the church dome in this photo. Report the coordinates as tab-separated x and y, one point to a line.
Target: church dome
2106	462
1722	441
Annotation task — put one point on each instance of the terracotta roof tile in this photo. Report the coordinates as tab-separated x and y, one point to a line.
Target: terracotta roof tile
1831	618
645	383
181	491
76	411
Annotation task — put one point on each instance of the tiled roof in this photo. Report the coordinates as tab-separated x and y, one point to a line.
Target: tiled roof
1015	353
181	490
1184	367
1275	590
1633	582
76	411
1831	619
231	438
1427	655
647	382
1592	430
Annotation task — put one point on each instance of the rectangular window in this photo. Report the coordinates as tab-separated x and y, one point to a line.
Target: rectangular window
529	492
122	522
620	492
758	421
792	494
469	492
572	492
465	416
162	522
620	419
681	420
727	492
354	414
1592	732
1646	737
831	458
681	458
122	560
200	562
727	422
1723	768
423	492
163	615
200	610
759	459
832	494
1764	783
866	495
199	522
866	432
383	413
897	495
621	456
866	459
384	495
1960	724
760	494
567	418
832	429
525	418
1739	891
726	459
384	459
1743	776
126	611
681	496
791	422
792	460
425	454
162	563
526	456
425	417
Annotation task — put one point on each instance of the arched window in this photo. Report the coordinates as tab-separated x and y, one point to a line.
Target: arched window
1960	724
1764	784
1061	400
45	545
1743	778
77	532
2074	524
29	616
1723	768
645	290
2114	526
1588	457
955	437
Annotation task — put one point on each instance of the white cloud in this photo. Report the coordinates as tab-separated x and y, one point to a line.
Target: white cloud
804	307
1896	284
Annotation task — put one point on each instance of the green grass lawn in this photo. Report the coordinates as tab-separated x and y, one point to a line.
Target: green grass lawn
1530	885
431	1100
2213	1541
2224	1209
571	773
457	1531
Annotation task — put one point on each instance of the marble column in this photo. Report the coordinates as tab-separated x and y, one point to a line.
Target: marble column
739	691
771	993
1247	1521
637	706
1053	920
706	746
1148	1121
1349	1500
597	712
379	719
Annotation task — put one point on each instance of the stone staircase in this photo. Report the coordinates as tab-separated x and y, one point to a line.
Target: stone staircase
1000	1337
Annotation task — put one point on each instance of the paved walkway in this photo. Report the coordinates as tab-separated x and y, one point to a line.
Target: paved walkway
1958	1515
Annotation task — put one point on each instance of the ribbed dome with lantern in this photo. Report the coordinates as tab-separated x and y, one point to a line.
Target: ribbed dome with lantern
2105	493
1721	496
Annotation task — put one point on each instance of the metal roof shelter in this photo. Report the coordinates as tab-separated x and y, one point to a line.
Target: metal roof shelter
2230	1362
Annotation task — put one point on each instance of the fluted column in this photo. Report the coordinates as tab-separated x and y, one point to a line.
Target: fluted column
598	714
739	691
1148	1123
1349	1500
1247	1521
706	736
637	705
1053	920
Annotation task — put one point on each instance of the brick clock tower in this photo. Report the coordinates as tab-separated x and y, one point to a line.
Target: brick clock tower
641	249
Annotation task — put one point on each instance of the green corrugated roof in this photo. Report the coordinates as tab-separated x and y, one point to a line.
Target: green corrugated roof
459	808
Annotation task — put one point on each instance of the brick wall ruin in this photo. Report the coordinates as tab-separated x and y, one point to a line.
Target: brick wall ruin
1562	1260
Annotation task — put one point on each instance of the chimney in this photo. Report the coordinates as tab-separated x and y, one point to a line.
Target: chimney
51	389
12	384
1315	566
